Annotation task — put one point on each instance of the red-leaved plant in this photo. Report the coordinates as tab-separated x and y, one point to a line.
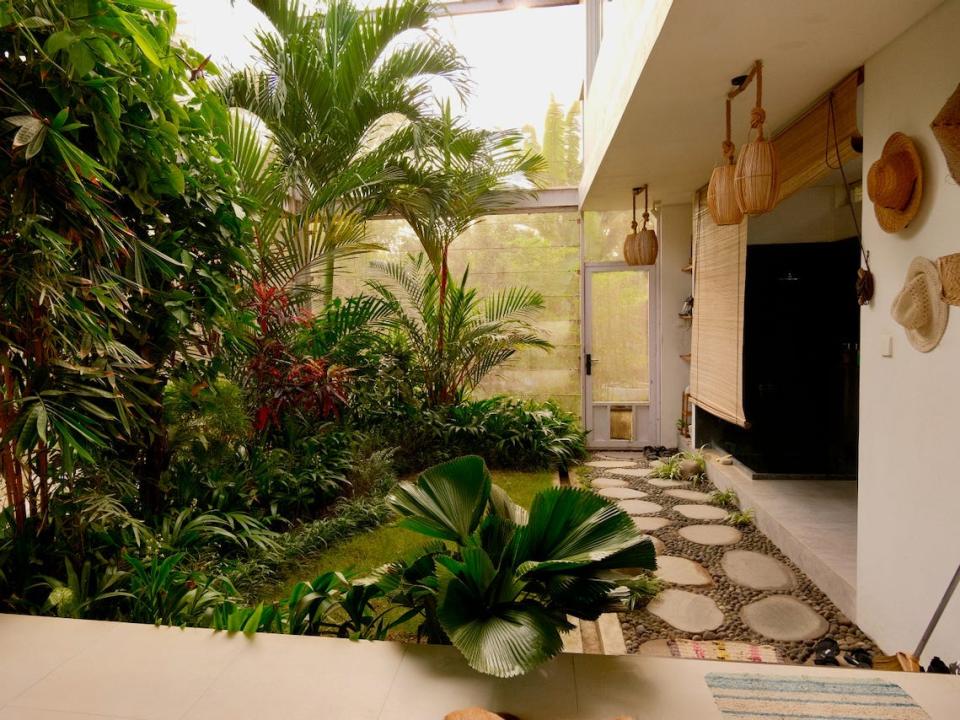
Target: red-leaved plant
281	383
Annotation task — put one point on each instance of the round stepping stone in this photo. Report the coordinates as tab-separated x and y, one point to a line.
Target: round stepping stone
664	483
710	534
632	472
650	524
611	464
607	482
656	648
784	618
639	507
657	463
757	571
686	611
693	495
681	571
621	493
701	512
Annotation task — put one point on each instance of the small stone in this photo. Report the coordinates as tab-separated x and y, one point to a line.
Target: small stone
681	571
639	507
701	512
686	611
757	571
693	495
784	618
621	493
607	482
710	534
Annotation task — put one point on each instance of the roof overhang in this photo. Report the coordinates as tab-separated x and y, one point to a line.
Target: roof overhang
672	123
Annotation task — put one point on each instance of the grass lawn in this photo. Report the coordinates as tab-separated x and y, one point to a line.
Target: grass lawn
388	542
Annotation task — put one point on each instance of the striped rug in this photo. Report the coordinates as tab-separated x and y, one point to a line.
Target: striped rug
768	697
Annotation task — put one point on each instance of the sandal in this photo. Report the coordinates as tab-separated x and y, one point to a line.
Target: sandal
826	651
859	657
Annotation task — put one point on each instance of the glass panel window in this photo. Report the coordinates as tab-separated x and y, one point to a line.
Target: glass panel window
620	342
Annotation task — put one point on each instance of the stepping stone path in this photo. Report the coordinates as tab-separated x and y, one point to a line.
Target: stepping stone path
784	618
692	495
734	576
757	571
681	571
686	611
701	512
632	472
607	482
639	507
710	534
650	524
622	493
664	483
611	464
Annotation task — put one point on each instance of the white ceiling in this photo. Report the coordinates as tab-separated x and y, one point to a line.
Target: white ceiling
670	133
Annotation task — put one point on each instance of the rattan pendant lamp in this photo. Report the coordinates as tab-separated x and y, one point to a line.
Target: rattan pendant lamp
757	175
640	248
721	195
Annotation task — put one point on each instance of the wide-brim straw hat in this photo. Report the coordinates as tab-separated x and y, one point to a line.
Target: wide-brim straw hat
895	183
919	306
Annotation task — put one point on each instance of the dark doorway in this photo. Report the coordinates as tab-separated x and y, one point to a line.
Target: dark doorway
800	362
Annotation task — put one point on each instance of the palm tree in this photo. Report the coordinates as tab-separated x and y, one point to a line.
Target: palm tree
339	101
455	176
456	338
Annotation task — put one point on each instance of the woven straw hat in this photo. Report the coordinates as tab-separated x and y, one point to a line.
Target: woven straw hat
919	306
949	268
895	183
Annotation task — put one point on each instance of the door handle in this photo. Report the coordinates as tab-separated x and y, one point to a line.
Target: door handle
588	363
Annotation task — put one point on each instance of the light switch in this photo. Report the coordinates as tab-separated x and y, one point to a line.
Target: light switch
886	345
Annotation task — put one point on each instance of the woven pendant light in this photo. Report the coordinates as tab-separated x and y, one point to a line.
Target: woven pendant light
757	175
721	195
640	248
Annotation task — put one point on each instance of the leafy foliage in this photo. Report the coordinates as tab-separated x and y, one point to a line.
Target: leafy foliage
455	337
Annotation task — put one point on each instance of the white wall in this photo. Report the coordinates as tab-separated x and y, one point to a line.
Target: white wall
814	214
909	491
675	229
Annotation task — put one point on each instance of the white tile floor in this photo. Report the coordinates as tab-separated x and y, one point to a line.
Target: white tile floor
813	522
53	669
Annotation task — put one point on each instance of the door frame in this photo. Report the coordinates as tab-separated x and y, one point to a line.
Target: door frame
653	333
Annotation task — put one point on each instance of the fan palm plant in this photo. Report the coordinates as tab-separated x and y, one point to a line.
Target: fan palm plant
506	578
455	336
339	100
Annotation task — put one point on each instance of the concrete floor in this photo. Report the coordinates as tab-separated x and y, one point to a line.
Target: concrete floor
813	522
56	669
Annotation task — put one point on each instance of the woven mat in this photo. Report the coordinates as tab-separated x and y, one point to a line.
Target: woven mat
767	697
722	650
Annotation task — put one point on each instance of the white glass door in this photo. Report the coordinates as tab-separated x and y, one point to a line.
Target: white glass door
620	344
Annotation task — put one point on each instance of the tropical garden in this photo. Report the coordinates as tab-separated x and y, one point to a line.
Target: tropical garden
191	417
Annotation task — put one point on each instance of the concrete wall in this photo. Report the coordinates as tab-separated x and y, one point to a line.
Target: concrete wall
909	492
675	230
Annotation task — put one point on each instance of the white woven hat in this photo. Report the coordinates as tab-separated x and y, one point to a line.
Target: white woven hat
919	305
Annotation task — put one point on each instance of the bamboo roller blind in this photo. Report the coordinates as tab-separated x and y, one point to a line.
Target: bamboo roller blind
806	148
806	152
719	266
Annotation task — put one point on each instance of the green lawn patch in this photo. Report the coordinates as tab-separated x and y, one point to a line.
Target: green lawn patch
381	545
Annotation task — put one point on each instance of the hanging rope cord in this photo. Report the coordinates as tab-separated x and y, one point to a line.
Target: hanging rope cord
832	131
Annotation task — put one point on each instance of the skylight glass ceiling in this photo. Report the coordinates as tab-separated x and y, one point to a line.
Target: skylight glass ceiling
527	67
